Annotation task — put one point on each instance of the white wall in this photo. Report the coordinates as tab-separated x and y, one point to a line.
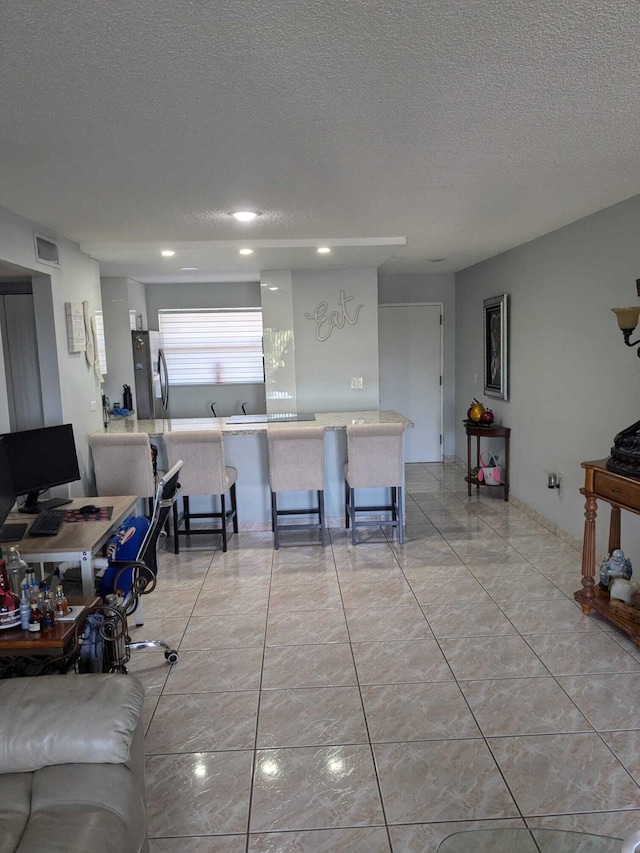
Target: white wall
573	383
69	385
435	287
324	368
117	337
193	401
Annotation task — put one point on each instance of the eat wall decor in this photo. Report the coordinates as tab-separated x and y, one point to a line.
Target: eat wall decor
327	322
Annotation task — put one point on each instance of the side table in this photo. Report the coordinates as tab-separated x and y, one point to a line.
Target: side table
487	432
51	653
621	493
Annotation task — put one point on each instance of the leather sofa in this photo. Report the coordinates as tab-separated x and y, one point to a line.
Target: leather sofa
72	764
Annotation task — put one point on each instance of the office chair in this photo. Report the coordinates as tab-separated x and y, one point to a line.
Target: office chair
129	580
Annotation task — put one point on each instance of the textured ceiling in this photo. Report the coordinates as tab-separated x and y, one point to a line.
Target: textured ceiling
466	127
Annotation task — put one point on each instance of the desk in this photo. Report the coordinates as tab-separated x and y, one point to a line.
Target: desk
620	493
76	542
24	655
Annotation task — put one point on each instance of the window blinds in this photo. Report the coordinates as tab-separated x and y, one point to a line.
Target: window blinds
213	347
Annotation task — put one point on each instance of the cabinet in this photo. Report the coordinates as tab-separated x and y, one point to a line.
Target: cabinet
477	431
620	493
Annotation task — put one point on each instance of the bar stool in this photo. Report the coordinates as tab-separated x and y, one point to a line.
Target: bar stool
203	473
296	463
375	460
123	465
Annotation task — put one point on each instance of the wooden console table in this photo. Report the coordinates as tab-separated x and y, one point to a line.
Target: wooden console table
488	432
620	493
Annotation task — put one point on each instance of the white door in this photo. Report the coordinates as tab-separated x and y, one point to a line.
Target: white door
410	356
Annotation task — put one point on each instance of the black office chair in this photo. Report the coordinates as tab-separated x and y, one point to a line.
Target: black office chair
128	580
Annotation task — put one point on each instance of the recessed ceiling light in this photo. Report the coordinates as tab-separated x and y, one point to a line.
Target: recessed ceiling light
273	288
244	215
245	252
436	260
167	253
188	269
323	250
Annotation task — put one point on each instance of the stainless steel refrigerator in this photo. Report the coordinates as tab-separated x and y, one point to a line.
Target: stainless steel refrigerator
151	377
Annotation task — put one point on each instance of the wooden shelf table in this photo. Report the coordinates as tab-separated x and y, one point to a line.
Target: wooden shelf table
487	432
620	493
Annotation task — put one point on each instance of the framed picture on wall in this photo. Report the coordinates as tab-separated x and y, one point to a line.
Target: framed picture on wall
495	331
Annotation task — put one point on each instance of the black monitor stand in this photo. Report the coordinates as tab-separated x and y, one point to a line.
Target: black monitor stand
33	506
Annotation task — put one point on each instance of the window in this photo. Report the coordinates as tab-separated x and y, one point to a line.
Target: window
213	347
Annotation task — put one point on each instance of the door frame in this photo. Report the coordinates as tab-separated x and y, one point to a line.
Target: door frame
439	305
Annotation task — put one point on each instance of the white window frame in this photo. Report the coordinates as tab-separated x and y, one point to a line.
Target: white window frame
212	346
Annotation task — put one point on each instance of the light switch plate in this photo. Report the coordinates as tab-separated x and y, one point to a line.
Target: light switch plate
94	405
356	383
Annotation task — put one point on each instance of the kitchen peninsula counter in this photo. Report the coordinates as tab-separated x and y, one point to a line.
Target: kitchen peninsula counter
245	448
328	420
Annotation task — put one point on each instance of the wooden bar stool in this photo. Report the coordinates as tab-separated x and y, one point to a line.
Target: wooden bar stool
296	463
203	473
375	460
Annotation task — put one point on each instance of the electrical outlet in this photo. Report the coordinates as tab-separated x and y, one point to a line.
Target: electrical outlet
94	406
356	383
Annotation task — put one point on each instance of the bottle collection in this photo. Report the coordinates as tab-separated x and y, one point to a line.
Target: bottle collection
23	601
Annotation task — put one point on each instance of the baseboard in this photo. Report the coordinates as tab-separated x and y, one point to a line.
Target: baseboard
536	516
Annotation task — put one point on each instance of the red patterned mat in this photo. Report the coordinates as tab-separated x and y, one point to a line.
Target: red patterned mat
103	514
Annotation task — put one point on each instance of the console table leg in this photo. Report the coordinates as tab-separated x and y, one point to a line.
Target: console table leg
468	465
586	595
614	529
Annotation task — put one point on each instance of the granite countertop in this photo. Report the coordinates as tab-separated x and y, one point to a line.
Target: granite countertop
329	420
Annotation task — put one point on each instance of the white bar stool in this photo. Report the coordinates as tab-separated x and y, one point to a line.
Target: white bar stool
203	473
123	465
296	463
375	455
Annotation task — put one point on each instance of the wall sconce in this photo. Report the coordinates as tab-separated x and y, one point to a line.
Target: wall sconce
628	320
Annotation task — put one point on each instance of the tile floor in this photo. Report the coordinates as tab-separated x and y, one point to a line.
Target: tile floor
379	698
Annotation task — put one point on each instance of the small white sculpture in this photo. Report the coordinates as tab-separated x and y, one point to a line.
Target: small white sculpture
621	589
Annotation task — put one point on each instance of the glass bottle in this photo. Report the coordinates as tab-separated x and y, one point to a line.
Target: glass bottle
35	621
48	610
25	608
60	601
15	569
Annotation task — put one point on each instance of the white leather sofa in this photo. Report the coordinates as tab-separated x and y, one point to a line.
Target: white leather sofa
72	765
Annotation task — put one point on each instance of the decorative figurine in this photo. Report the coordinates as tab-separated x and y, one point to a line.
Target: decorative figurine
615	566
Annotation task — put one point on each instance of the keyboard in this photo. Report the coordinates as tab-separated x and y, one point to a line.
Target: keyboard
47	522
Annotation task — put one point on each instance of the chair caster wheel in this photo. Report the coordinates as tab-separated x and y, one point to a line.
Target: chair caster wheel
171	656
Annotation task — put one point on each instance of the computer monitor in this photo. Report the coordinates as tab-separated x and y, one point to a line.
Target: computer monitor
8	532
40	459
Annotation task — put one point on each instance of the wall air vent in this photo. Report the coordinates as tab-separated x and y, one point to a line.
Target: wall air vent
46	250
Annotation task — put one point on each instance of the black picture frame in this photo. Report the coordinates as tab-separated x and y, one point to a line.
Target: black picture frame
495	332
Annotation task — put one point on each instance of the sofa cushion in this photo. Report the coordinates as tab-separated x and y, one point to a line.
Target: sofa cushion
38	729
15	807
84	807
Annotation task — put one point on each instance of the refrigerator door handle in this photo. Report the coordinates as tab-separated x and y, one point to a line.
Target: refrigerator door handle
164	379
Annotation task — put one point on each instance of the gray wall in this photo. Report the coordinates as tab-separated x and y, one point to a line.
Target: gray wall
194	401
404	288
69	385
574	384
324	369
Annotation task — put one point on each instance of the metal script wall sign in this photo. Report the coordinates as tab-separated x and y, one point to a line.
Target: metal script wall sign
326	323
